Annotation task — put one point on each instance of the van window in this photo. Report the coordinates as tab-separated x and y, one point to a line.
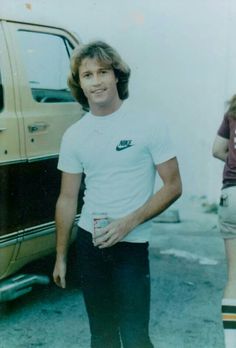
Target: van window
1	93
46	58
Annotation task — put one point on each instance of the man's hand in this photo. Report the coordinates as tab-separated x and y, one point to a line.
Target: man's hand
59	273
112	233
156	204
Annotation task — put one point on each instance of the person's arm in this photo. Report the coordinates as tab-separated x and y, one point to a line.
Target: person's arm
66	209
220	148
170	191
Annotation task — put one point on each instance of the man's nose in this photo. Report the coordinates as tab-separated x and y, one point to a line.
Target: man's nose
96	79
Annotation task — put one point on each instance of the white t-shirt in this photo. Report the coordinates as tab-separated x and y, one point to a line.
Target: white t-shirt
118	154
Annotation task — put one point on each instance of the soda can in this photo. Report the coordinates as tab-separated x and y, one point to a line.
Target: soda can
100	220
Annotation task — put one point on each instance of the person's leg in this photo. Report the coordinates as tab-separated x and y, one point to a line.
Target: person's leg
96	284
132	287
227	223
230	249
229	300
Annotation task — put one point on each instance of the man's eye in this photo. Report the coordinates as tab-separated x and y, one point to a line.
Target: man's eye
86	75
104	71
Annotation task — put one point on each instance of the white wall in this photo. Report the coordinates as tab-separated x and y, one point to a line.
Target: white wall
182	54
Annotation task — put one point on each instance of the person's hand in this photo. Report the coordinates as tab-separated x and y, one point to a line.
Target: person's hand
59	273
112	233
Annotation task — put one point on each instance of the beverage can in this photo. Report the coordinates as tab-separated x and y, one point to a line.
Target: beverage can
100	220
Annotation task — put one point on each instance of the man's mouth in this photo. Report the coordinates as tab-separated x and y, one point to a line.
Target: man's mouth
98	91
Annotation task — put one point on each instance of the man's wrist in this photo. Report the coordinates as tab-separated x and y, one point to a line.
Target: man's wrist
61	256
133	220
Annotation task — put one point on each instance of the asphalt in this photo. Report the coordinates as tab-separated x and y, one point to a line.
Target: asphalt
188	276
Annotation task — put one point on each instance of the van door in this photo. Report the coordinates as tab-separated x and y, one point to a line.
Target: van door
9	127
41	58
40	63
10	150
10	156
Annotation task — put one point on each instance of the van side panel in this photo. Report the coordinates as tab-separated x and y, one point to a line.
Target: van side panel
36	108
28	194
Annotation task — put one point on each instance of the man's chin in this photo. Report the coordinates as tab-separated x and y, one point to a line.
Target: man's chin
100	102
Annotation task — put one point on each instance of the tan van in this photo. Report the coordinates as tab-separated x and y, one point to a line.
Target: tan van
35	109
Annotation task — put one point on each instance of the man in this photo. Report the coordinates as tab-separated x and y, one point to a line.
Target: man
120	149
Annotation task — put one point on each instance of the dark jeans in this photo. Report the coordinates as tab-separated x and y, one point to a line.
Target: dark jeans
116	287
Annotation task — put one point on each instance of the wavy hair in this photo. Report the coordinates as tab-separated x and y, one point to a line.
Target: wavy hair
103	53
232	107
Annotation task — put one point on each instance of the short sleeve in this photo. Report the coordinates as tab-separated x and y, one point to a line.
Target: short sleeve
160	144
224	130
69	161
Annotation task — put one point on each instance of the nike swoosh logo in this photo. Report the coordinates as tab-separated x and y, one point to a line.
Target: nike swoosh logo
120	148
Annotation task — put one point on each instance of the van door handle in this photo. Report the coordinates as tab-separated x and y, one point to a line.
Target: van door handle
2	129
37	127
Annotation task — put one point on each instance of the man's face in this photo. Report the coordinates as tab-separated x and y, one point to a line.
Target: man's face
98	83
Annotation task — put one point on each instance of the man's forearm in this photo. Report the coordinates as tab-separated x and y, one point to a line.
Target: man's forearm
65	215
160	201
119	228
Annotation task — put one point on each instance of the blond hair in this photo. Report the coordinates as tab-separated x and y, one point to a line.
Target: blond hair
232	107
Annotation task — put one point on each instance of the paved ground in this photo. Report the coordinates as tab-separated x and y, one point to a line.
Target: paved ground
188	275
188	267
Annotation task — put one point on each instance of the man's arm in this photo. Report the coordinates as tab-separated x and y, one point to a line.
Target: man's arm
170	191
66	209
220	148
